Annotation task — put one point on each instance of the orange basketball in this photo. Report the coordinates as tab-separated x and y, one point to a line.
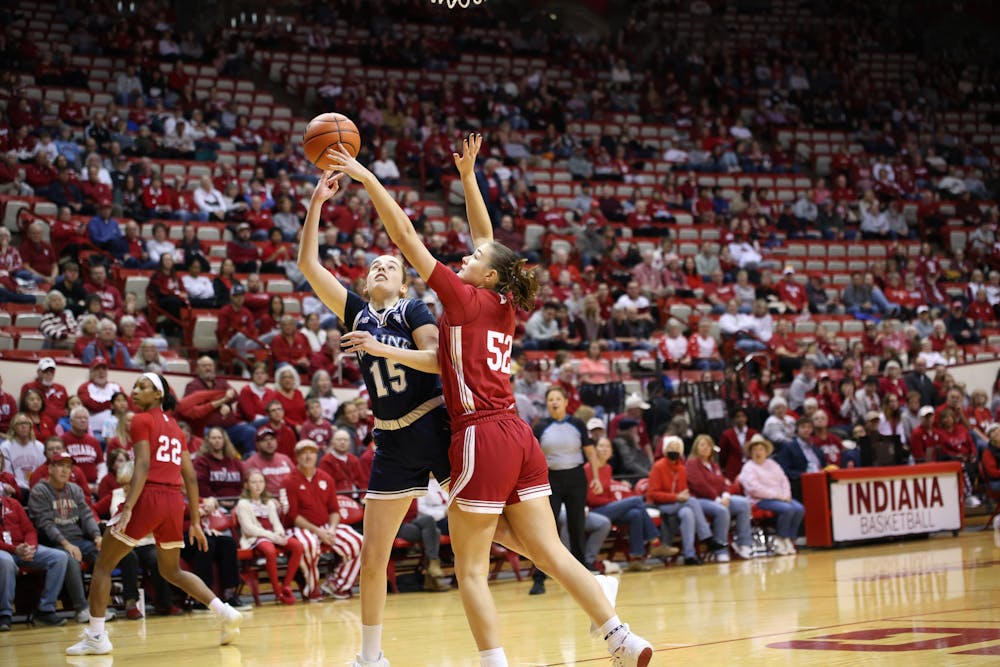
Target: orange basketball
327	130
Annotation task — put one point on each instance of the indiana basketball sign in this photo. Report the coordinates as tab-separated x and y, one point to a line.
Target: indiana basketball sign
864	509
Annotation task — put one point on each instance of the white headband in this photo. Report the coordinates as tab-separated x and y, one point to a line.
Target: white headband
155	379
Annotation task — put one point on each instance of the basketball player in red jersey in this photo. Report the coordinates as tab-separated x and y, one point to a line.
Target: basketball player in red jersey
154	505
497	464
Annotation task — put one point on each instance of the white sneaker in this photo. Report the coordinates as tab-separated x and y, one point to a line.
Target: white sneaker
359	662
611	567
99	645
789	549
744	551
778	544
722	556
629	650
231	620
972	502
610	587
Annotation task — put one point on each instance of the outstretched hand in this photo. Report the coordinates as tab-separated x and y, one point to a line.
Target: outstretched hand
340	161
327	186
466	162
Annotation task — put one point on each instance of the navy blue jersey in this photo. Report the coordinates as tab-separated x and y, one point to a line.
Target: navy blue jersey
394	389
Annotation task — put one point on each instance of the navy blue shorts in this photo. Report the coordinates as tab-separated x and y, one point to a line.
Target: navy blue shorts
405	457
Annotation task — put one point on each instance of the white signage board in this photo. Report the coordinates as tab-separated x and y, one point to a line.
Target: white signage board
866	509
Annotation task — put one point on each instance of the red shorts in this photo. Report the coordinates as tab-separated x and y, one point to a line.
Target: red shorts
496	461
160	511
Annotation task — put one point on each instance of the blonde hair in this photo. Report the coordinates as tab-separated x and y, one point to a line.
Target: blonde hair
265	497
704	437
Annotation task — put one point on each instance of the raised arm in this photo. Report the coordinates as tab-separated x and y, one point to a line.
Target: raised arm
480	225
397	224
327	287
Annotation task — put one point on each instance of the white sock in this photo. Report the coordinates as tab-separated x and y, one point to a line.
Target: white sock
96	627
495	657
217	606
610	625
371	642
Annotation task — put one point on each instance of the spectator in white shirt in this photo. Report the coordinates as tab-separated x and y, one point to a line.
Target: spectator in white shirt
385	168
209	200
200	287
633	298
542	332
160	245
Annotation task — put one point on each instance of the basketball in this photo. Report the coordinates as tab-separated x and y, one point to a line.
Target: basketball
326	130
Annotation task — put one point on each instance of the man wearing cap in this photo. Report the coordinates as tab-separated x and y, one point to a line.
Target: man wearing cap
107	345
64	520
635	405
926	438
236	328
104	232
54	448
313	508
19	547
244	252
792	294
596	428
272	464
960	326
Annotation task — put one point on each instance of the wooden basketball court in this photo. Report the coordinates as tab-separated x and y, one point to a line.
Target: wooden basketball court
925	602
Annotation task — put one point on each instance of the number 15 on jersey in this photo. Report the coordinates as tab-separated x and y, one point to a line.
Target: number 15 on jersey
498	345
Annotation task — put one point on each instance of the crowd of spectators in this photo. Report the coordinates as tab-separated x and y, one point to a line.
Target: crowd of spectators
819	399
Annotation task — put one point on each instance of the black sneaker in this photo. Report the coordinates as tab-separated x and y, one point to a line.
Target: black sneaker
537	588
49	618
691	561
715	545
4	623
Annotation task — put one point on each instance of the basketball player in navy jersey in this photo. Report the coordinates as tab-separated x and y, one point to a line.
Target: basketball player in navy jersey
395	340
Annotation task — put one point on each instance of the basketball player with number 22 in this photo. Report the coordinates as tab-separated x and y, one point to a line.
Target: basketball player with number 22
154	505
497	466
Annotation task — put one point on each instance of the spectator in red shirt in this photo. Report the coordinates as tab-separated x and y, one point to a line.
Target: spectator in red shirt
316	427
111	298
259	218
343	368
315	514
55	394
244	253
732	443
236	329
283	432
290	346
926	438
343	466
8	407
255	395
38	257
792	294
825	440
84	448
274	465
219	468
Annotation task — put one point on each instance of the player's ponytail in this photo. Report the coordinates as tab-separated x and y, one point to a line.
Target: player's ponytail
169	400
513	276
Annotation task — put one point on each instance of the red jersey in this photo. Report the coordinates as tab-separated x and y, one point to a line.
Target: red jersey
313	499
320	433
477	328
346	473
86	452
166	442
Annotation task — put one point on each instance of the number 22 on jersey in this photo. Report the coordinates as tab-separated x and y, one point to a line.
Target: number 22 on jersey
169	450
498	345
